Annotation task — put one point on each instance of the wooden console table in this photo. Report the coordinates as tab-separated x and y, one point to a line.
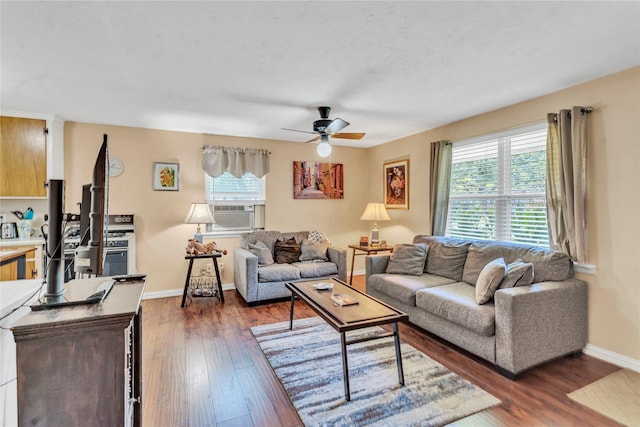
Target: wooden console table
366	250
82	364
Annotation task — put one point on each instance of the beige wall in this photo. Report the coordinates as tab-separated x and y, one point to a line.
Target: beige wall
613	205
161	234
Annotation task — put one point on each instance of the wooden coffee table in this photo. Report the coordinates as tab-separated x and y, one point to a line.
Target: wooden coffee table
368	312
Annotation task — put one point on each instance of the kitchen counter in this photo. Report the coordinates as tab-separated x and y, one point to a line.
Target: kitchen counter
33	241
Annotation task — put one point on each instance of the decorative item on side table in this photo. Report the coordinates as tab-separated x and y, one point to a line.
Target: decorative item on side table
375	212
166	176
396	184
199	213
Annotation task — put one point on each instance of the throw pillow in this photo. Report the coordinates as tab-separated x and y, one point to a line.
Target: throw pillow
318	236
519	273
286	251
311	251
263	253
408	259
489	280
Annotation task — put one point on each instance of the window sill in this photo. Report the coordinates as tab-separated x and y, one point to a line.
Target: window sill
227	233
584	268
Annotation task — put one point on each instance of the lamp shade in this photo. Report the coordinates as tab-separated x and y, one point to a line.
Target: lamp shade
375	212
199	213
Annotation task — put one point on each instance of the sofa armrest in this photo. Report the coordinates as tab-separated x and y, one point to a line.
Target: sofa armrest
339	257
540	322
245	274
375	264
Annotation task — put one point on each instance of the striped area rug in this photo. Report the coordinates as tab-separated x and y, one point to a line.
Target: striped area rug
308	362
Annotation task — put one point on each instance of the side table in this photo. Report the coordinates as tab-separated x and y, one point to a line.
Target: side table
366	250
213	256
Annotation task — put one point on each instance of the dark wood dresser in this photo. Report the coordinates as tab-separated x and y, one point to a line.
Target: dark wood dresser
81	365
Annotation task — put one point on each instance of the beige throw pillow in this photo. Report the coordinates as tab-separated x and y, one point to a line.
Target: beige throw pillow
313	251
519	273
489	280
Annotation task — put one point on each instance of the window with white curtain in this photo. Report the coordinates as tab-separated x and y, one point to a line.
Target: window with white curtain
228	188
498	186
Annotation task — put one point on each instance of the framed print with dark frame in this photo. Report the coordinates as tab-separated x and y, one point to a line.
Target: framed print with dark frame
396	184
166	176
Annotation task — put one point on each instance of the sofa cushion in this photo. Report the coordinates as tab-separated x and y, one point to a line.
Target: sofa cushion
547	264
318	236
456	303
403	287
286	251
311	251
316	269
490	278
519	273
408	259
278	273
263	253
446	257
267	237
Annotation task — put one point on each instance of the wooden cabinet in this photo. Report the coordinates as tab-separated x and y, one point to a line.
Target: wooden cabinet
23	157
18	263
33	261
81	365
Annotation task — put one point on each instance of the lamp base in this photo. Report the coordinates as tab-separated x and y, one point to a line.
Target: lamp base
375	238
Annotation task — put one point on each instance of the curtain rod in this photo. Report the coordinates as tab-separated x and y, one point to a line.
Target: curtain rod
583	110
242	148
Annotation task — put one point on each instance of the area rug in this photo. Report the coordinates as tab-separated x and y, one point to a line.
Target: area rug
308	363
617	396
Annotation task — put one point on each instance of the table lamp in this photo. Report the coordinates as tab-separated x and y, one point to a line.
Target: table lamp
375	212
199	213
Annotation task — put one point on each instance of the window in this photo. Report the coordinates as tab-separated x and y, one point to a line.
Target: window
228	188
498	187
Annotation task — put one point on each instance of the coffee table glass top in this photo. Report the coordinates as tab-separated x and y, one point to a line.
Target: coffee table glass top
367	309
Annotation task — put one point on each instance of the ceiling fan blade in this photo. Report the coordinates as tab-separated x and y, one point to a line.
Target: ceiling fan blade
314	139
336	126
303	131
352	135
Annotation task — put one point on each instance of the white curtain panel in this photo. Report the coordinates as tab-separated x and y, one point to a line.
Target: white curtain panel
567	181
217	160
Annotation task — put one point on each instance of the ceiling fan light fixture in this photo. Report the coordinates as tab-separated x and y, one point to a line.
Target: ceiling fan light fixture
324	149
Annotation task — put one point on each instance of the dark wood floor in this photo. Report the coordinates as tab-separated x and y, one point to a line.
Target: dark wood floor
202	367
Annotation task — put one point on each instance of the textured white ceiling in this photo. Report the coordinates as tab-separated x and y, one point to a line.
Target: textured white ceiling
392	69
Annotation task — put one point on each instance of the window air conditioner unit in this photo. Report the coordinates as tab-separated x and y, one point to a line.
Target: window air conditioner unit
238	217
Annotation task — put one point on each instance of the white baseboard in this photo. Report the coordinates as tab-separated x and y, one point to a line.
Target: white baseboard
177	292
611	357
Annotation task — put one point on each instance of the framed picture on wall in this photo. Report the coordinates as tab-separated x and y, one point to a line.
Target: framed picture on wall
313	180
396	184
166	176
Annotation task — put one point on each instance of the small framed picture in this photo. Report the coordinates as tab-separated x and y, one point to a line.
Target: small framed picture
396	184
166	176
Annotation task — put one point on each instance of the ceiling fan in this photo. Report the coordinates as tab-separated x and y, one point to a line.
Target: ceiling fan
326	128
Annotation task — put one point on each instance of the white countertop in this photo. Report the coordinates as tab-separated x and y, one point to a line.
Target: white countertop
33	241
14	293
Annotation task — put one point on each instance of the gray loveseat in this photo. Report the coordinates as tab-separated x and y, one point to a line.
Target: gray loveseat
265	280
519	327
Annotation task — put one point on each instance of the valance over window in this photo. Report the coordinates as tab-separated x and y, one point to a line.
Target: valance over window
217	160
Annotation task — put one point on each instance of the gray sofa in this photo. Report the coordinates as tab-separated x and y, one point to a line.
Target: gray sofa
518	328
259	283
